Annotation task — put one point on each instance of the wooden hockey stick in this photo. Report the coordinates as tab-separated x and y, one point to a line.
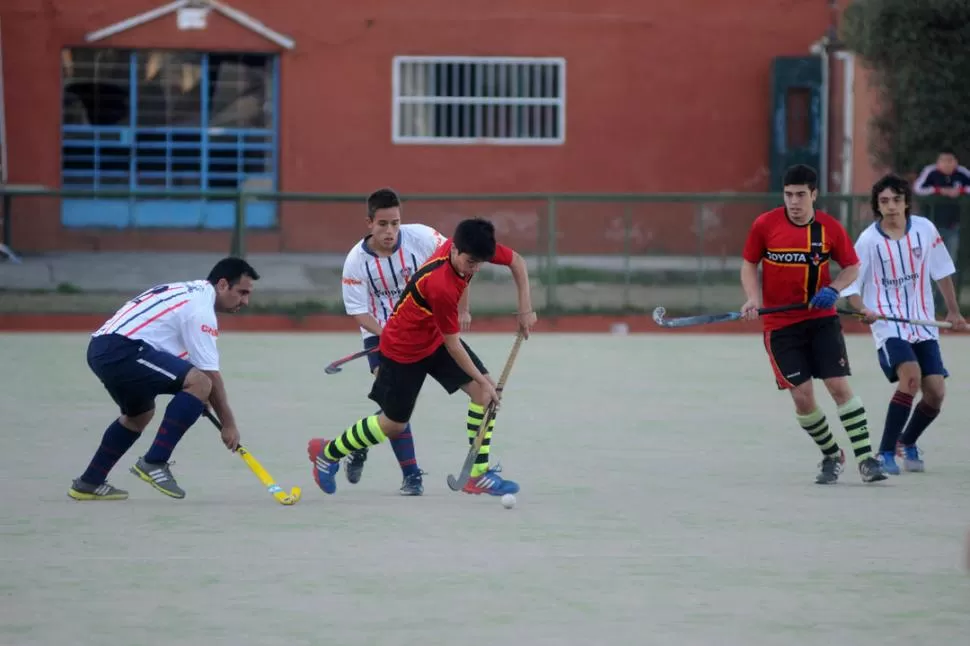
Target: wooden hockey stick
457	484
895	319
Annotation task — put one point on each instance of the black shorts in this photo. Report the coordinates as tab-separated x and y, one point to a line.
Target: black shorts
398	385
808	349
134	373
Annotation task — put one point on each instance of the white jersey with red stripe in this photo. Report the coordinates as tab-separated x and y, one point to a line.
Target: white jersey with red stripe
178	318
895	278
373	284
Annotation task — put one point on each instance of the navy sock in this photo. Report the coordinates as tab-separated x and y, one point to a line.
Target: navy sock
182	412
114	443
403	446
900	407
923	416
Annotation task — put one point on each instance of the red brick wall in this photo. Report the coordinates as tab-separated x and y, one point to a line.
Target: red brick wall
662	96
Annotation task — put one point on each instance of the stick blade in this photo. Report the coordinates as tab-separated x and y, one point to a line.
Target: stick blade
293	497
658	316
332	369
454	484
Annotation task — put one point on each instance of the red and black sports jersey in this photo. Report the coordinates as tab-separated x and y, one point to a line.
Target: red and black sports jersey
428	307
795	261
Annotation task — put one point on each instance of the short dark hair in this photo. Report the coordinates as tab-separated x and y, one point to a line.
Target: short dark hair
947	150
897	185
476	237
382	198
800	174
232	269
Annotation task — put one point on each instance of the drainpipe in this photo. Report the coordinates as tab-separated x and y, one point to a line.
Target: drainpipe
819	48
848	121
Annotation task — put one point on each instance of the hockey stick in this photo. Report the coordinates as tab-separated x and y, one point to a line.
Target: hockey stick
281	496
334	367
894	319
457	484
705	319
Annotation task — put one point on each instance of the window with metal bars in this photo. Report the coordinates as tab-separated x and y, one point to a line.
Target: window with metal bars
168	120
479	100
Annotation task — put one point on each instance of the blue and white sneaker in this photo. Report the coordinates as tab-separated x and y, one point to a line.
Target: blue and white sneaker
888	461
413	484
911	460
324	471
491	483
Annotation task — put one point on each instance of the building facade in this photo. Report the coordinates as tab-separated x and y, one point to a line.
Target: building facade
431	97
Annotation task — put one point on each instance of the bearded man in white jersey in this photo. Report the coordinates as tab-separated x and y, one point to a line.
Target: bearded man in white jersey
375	273
900	254
163	341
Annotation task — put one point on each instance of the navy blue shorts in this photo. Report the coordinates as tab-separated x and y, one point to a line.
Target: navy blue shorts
925	353
134	373
374	358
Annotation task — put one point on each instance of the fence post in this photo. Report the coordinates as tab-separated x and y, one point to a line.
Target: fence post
627	253
699	220
551	301
963	247
8	220
238	245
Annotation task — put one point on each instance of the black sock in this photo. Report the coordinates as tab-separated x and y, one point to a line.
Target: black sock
114	443
922	417
900	407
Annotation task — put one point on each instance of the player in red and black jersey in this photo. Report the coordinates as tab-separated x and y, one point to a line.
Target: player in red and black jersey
794	245
421	338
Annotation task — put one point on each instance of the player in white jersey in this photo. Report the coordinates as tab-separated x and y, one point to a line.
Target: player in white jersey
374	275
901	254
163	341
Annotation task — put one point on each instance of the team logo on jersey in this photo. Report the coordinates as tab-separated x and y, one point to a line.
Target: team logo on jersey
210	331
917	252
899	281
796	257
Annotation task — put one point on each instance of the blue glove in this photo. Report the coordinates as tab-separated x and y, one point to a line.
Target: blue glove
825	298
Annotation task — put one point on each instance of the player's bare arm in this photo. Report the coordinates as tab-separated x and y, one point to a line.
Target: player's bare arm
464	311
458	353
369	323
949	293
856	303
751	255
846	277
219	401
520	274
752	290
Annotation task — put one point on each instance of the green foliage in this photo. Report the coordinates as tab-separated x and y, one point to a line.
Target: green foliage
919	53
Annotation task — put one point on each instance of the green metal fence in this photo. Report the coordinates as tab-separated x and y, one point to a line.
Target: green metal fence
587	252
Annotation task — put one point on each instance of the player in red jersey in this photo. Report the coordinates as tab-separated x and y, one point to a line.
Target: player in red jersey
421	338
794	245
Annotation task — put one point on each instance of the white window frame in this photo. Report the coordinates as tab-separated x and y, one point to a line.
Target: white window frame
398	101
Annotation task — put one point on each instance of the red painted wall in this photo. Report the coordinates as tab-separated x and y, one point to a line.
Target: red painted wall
667	95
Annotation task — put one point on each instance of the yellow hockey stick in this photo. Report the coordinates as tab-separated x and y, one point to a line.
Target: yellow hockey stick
277	491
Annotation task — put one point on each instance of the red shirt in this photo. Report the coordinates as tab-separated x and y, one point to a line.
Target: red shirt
796	261
428	307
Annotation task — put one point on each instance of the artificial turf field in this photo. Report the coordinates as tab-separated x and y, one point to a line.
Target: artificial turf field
667	498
